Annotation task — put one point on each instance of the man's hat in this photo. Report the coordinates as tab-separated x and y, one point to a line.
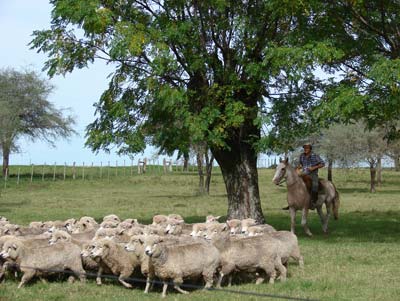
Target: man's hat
307	144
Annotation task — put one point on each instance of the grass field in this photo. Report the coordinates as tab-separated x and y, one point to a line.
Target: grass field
358	260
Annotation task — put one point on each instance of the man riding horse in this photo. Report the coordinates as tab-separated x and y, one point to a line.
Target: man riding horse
309	163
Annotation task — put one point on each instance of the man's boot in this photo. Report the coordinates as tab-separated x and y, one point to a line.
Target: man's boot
314	199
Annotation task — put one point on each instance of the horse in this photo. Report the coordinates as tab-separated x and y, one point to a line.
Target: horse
299	196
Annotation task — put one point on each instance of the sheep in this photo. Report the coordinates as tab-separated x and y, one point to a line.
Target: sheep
212	218
177	262
114	256
84	226
178	228
128	223
258	230
88	220
234	226
247	254
136	245
105	232
290	246
36	261
123	235
109	224
159	219
111	218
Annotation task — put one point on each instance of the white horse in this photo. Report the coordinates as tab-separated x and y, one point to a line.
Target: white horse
299	196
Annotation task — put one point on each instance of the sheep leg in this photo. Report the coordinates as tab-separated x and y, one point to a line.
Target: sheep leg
292	219
164	290
121	280
281	268
230	280
304	222
98	276
148	284
177	283
221	275
208	279
28	275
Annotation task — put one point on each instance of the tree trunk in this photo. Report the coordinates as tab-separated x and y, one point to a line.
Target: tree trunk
330	165
185	161
239	169
199	157
379	172
209	166
396	163
6	160
372	171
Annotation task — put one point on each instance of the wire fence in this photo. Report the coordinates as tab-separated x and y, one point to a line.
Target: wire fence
16	174
154	281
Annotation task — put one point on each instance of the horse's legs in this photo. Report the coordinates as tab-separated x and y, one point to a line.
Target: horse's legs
328	214
292	219
304	221
323	219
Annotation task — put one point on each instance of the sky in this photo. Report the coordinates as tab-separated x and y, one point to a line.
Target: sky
78	90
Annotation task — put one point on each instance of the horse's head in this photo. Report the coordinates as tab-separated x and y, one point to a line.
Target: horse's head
280	172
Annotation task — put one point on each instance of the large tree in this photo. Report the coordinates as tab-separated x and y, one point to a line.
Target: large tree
367	32
213	65
26	112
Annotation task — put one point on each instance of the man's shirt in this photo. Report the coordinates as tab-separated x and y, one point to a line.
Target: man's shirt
312	160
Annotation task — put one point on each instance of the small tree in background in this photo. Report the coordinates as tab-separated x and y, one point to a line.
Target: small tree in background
26	112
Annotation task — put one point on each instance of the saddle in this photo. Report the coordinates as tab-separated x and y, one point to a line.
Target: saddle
308	181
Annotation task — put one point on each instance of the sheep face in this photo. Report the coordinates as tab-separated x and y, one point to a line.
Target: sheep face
59	236
234	226
86	250
112	218
10	250
215	230
100	250
172	228
151	245
132	245
246	223
212	218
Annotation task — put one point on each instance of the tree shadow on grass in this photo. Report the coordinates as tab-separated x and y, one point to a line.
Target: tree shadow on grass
359	226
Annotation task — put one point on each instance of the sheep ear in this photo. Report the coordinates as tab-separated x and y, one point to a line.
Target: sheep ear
135	221
14	246
225	227
160	239
228	223
218	217
286	160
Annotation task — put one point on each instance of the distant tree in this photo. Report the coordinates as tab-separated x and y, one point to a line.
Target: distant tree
26	112
353	143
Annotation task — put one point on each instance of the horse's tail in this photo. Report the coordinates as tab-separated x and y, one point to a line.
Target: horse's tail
336	204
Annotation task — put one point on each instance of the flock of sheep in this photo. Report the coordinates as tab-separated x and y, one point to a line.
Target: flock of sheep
168	249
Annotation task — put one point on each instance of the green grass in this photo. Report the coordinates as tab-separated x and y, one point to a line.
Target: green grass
358	260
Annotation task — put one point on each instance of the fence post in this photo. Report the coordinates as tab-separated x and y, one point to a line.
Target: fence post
108	171
65	170
131	167
73	171
54	171
91	171
124	169
19	171
43	171
116	168
83	170
32	173
101	169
